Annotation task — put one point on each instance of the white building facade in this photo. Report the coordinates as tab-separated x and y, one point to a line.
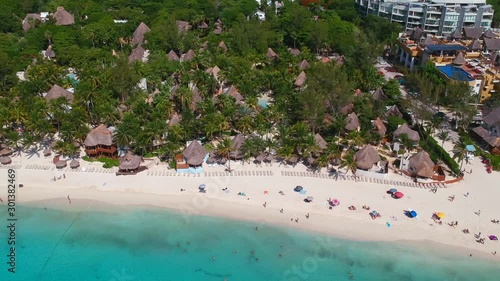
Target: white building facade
437	17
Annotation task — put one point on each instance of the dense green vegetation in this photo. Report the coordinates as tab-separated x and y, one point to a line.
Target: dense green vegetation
437	152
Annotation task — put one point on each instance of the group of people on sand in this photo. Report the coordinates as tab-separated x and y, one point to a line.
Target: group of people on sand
59	177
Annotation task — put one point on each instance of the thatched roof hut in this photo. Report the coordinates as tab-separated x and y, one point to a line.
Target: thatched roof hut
6	151
380	127
269	158
194	153
137	54
346	109
352	123
236	144
299	81
393	111
63	17
294	52
182	26
174	120
203	25
366	157
47	152
99	136
303	65
421	165
130	161
222	46
379	94
260	157
138	37
459	60
49	53
320	141
197	98
358	93
404	129
29	21
57	91
188	56
74	164
61	164
233	92
271	54
5	160
172	56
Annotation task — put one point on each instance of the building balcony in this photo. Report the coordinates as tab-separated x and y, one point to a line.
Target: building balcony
96	151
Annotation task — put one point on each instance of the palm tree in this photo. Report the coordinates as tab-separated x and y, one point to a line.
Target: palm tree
459	152
224	149
349	164
339	122
322	162
309	146
444	136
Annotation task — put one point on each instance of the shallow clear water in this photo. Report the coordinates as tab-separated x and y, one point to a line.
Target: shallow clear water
139	244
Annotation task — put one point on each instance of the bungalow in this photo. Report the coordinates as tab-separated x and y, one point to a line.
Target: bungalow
99	142
421	165
404	129
129	164
138	37
191	159
57	92
352	122
63	17
236	143
489	133
366	157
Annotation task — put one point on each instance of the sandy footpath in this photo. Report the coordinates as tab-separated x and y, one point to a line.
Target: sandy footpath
96	190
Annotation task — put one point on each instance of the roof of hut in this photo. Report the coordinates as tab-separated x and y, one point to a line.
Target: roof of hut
271	54
320	141
294	51
222	45
172	56
379	94
130	161
57	91
49	53
29	19
138	37
233	92
459	59
380	126
352	123
394	111
301	78
137	54
421	164
63	17
303	65
404	129
100	135
188	56
366	157
194	153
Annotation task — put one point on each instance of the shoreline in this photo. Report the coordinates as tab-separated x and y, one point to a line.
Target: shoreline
316	227
160	188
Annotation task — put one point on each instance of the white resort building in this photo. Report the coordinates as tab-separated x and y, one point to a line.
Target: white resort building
437	17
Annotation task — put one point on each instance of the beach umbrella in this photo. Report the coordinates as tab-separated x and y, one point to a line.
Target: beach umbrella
47	152
6	151
440	215
61	164
493	237
334	202
309	198
413	214
393	190
202	186
399	195
298	188
470	148
5	160
74	164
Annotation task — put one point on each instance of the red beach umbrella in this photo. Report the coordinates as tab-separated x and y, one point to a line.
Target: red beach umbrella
399	194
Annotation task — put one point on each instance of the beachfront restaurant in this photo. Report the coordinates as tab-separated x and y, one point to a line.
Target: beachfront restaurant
99	142
420	165
130	164
369	164
191	159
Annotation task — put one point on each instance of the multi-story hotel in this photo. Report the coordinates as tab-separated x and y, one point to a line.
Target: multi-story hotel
437	17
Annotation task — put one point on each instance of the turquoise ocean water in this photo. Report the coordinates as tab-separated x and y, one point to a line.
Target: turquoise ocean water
147	244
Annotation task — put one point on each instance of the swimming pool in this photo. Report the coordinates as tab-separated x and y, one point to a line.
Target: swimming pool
455	73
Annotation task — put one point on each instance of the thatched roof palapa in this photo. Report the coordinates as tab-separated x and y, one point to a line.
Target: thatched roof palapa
49	53
130	161
379	94
421	165
194	153
47	152
182	26
489	34
352	123
137	54
188	56
236	144
404	129
294	52
320	141
99	136
222	46
57	91
138	37
63	17
271	54
394	111
5	160
61	164
358	93
366	157
74	164
303	65
380	127
346	109
174	120
459	59
29	21
299	81
172	56
233	92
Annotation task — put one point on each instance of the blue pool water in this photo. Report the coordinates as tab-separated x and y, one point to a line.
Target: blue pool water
140	245
456	73
263	103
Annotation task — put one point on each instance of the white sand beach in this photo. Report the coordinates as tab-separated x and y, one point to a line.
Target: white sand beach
159	187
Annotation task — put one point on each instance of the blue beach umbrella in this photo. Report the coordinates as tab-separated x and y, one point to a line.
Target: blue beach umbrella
393	190
470	148
202	186
413	214
298	188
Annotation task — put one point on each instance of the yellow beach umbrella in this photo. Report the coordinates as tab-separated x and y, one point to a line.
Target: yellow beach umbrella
440	215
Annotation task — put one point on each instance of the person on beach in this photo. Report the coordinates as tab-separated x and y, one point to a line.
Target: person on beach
452	198
1	201
281	210
64	176
69	199
265	204
307	215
